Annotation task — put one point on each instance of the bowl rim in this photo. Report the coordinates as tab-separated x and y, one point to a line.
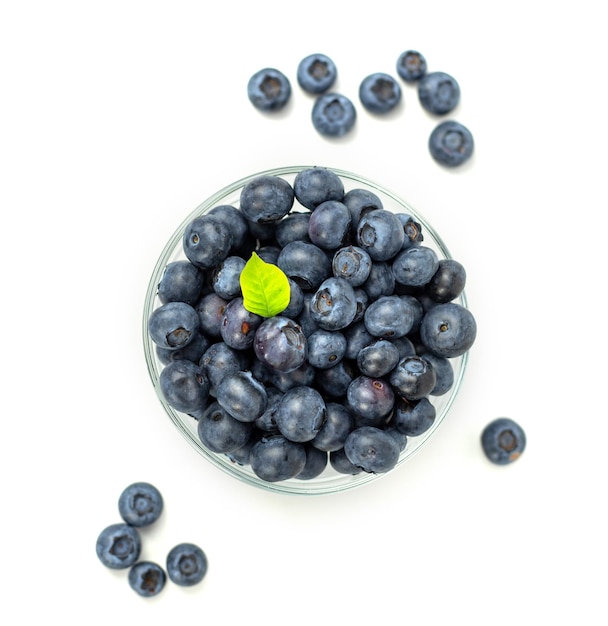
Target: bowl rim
335	484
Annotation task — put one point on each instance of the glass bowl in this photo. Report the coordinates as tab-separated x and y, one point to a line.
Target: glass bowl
330	481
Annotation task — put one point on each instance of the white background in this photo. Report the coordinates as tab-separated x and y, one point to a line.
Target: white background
117	119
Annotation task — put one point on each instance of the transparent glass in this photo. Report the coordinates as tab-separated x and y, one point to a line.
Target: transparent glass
329	481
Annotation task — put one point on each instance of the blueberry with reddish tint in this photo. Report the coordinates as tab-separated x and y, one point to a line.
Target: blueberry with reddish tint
448	330
173	325
316	73
451	143
140	504
280	344
411	66
438	92
503	441
379	93
274	458
370	400
269	89
333	115
118	546
266	198
147	578
372	449
186	564
315	185
239	325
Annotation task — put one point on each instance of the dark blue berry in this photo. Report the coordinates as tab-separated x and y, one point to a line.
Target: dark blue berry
220	432
220	360
353	264
378	359
326	348
333	305
210	309
225	278
413	417
280	344
338	424
266	198
411	66
329	225
181	282
140	504
243	396
438	92
184	386
380	234
444	373
315	185
448	330
300	413
379	92
316	73
342	464
372	449
503	441
370	399
304	263
413	378
275	458
389	317
173	325
147	578
186	564
415	266
316	462
293	227
118	546
448	282
451	143
207	241
269	89
239	325
333	115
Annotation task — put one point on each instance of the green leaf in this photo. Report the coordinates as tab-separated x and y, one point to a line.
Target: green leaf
265	287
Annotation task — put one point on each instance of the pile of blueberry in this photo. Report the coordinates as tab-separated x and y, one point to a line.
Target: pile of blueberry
334	114
119	545
345	374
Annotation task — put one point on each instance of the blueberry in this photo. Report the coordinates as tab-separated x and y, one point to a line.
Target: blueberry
359	202
300	414
412	230
411	66
448	330
338	424
186	564
503	441
280	344
378	359
293	227
220	432
413	417
380	234
353	264
304	263
207	241
326	348
379	92
316	73
333	115
316	462
315	185
173	325
147	578
236	223
438	93
242	396
372	449
334	382
191	352
380	282
371	399
220	360
181	282
389	317
413	378
275	458
118	546
444	373
341	463
284	381
184	386
296	300
239	325
415	266
267	421
225	277
266	198
448	281
140	504
333	305
210	309
269	89
451	143
329	225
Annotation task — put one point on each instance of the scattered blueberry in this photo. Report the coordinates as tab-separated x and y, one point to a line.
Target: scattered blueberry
438	92
411	66
147	578
333	115
503	441
118	546
269	89
186	564
451	143
140	504
316	73
379	92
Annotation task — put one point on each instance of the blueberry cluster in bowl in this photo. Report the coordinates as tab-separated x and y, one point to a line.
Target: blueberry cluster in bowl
344	376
